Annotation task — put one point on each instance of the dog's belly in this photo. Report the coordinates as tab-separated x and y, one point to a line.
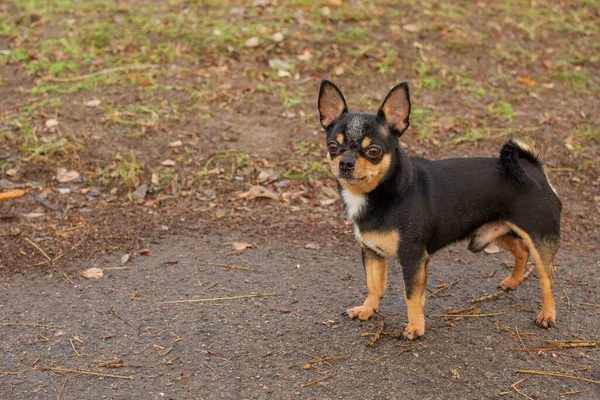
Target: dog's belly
384	244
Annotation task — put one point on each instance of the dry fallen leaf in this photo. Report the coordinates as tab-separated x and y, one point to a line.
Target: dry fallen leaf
259	191
92	273
168	163
526	81
64	176
12	194
242	246
176	143
252	42
51	123
93	103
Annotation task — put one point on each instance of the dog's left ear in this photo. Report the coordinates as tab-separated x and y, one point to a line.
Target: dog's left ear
331	103
395	109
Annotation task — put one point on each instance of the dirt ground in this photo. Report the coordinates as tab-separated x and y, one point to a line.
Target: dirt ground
139	132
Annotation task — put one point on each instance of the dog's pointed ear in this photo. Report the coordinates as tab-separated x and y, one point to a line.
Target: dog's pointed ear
331	103
395	109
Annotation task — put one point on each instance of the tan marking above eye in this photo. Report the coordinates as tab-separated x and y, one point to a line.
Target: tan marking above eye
366	142
340	138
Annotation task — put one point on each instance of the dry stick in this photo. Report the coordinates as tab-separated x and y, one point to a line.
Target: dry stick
558	374
497	294
12	372
525	347
112	312
468	315
583	303
69	279
110	268
568	299
378	358
514	386
377	334
244	260
208	365
35	325
318	359
462	310
316	381
126	68
228	266
39	249
62	388
583	367
217	298
324	360
444	287
73	347
576	391
79	371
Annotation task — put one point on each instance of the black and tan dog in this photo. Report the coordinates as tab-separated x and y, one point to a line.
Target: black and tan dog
410	207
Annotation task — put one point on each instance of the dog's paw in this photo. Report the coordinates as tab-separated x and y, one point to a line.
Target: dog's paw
545	319
412	333
509	284
363	313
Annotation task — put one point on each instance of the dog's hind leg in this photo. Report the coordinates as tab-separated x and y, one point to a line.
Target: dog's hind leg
543	249
521	253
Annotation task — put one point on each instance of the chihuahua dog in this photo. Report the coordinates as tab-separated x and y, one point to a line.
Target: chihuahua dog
411	207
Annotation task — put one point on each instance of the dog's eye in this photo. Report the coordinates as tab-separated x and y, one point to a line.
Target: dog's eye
333	147
374	151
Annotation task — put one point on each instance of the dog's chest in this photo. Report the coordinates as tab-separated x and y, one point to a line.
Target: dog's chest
381	242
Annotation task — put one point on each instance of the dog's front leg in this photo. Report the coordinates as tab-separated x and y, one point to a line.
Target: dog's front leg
376	271
414	270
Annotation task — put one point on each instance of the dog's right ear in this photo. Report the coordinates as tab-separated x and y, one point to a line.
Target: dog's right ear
331	103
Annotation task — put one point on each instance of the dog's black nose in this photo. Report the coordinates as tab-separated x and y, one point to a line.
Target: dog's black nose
347	165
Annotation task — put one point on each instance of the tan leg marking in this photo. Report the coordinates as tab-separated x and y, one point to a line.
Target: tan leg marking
416	304
376	271
387	242
543	262
521	254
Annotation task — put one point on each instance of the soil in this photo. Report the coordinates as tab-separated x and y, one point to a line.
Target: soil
228	122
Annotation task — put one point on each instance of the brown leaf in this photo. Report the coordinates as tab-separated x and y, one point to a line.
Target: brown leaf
12	194
241	246
526	81
92	273
64	176
259	191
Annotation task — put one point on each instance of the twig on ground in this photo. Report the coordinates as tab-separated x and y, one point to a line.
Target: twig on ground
31	325
113	312
468	315
125	68
12	372
315	381
576	392
85	372
218	298
442	287
514	386
523	344
568	299
228	266
557	374
39	249
377	334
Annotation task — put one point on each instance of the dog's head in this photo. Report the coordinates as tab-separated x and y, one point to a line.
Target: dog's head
360	147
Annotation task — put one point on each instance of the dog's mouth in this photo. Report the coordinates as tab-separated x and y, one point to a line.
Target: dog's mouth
352	179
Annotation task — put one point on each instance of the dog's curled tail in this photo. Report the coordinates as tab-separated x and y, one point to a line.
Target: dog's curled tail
509	160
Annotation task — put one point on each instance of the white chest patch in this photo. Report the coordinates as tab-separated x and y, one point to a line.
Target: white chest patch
355	204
